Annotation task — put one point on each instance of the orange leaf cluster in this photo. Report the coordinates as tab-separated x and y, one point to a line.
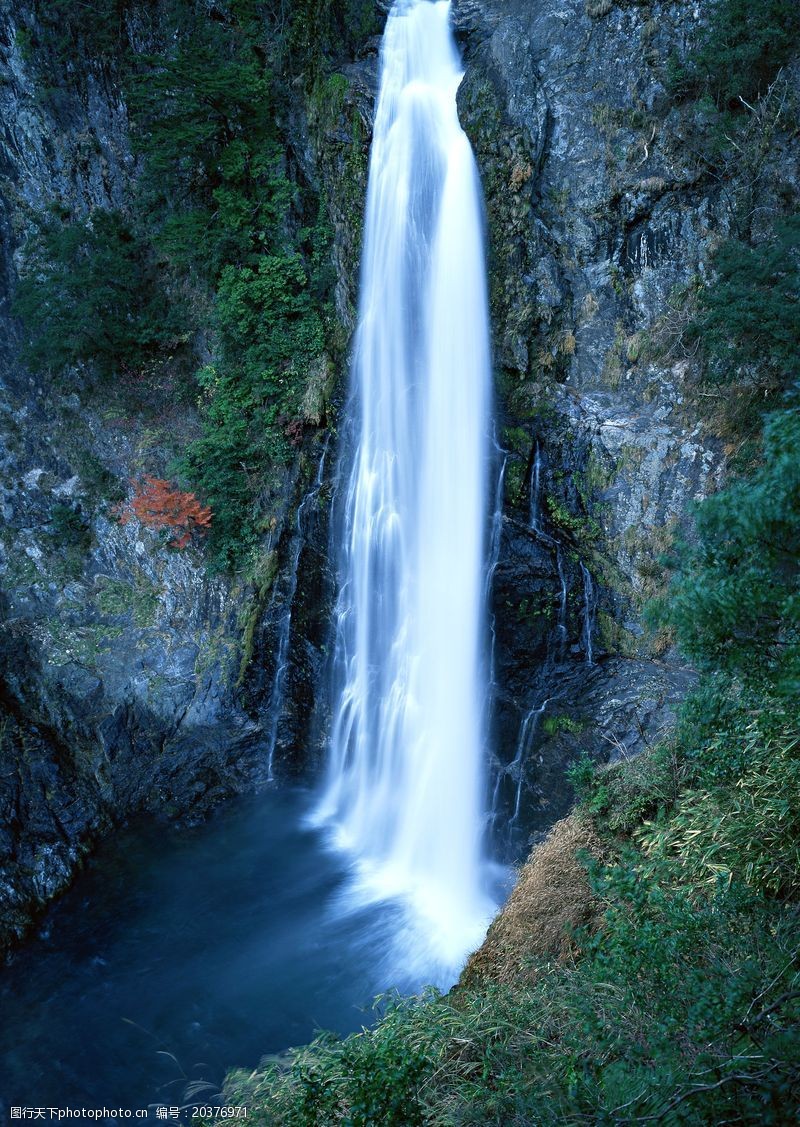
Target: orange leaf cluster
159	505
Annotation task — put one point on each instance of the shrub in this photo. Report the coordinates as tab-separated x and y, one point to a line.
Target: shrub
91	293
750	315
223	234
739	52
87	30
164	507
206	124
735	599
742	819
270	337
679	1002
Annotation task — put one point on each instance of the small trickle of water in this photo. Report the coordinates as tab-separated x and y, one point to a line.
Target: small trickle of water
284	630
561	625
588	613
495	537
404	785
536	491
527	734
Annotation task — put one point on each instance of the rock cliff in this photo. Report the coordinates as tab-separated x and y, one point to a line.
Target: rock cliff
131	678
603	213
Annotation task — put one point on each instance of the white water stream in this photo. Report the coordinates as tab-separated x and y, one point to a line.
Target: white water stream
404	789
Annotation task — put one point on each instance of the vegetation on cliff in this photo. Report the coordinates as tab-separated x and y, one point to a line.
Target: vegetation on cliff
219	265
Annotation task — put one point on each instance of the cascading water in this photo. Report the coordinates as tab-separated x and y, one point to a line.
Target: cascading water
588	611
284	631
404	785
536	492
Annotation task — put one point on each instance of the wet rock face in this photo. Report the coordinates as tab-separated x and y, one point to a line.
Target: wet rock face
131	678
285	688
118	655
599	221
118	661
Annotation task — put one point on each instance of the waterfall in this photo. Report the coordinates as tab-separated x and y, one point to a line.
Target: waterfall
404	784
561	625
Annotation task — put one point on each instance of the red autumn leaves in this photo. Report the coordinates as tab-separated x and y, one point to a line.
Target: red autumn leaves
163	507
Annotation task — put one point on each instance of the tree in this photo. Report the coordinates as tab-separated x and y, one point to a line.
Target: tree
739	52
750	316
92	293
735	598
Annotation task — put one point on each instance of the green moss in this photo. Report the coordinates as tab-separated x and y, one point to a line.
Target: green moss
637	347
615	357
552	725
559	199
98	481
531	613
630	458
518	440
139	600
249	617
217	651
594	478
326	101
69	539
83	645
614	638
584	529
514	481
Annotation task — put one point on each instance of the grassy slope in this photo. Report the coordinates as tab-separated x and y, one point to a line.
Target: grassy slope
663	987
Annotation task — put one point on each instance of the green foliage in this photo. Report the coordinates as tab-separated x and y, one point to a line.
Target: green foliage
70	526
99	482
622	796
589	789
70	534
91	293
735	601
739	53
322	31
139	599
583	530
224	240
681	1009
205	120
554	724
70	30
750	316
745	826
371	1078
271	335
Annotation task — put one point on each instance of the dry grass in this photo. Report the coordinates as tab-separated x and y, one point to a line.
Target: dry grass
550	900
598	8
